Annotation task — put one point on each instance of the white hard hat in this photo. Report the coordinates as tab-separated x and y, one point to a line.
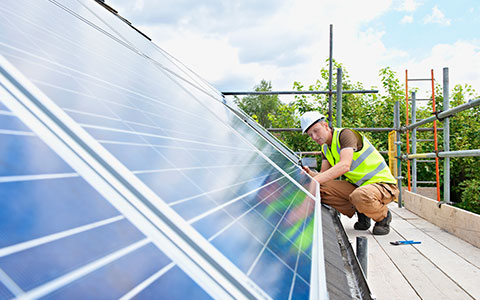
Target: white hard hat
309	118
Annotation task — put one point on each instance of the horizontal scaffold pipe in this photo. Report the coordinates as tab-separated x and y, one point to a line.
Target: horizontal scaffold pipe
459	153
298	92
444	114
358	129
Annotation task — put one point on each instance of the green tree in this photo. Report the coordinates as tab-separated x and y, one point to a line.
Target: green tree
259	107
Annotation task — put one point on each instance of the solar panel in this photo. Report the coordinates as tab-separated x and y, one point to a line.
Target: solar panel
51	235
190	193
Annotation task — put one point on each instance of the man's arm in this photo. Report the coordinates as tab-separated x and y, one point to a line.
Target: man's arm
342	167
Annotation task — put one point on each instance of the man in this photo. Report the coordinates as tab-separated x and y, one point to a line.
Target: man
369	184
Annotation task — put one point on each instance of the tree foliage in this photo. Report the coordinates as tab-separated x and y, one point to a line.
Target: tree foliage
260	107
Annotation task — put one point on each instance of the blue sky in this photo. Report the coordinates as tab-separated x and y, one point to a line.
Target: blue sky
433	22
235	44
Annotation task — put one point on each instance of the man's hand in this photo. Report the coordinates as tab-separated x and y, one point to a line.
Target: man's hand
308	171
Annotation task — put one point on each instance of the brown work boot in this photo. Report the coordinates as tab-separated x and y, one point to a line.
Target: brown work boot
383	227
363	222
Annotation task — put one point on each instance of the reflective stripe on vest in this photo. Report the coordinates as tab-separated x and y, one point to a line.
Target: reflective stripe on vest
368	165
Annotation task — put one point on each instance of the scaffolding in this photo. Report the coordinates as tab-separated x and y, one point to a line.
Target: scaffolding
398	129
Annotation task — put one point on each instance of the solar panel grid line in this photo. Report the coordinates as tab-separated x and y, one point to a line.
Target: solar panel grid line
229	202
56	236
73	13
126	40
36	177
175	248
157	136
10	284
231	150
197	168
214	190
105	84
76	274
235	220
16	132
252	266
144	284
299	252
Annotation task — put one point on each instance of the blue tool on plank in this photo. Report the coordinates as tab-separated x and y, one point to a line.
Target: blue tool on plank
409	242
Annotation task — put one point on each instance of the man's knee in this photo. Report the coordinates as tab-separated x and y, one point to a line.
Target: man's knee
360	195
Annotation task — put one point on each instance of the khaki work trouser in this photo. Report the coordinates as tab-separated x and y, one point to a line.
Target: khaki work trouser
371	199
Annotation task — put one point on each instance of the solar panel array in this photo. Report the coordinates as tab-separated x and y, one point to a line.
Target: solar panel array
124	174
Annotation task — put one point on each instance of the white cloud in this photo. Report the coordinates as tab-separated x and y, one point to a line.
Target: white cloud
462	58
407	19
437	16
287	45
407	5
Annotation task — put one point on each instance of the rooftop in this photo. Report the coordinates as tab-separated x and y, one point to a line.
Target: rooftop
443	266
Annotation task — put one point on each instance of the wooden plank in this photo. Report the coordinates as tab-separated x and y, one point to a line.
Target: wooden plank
384	279
405	272
465	274
462	248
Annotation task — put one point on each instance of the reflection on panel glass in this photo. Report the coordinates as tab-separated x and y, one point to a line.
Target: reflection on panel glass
171	130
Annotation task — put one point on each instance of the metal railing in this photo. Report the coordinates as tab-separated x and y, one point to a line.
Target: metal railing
446	153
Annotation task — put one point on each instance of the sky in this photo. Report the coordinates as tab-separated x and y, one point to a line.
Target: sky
236	44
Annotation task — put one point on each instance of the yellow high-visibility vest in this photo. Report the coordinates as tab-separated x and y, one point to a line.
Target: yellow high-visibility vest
368	165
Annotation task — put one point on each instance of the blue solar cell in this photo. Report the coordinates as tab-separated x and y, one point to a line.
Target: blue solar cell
272	275
28	208
10	122
147	261
5	292
18	148
46	262
187	289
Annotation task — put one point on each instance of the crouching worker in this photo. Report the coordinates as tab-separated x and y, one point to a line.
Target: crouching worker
369	185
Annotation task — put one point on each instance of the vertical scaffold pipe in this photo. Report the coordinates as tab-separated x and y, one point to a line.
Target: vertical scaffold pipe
414	142
330	75
446	138
406	123
339	97
435	140
396	121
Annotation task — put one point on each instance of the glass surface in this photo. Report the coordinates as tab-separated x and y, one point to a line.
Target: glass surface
171	130
53	224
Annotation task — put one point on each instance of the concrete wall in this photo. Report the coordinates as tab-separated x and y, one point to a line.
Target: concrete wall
459	222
